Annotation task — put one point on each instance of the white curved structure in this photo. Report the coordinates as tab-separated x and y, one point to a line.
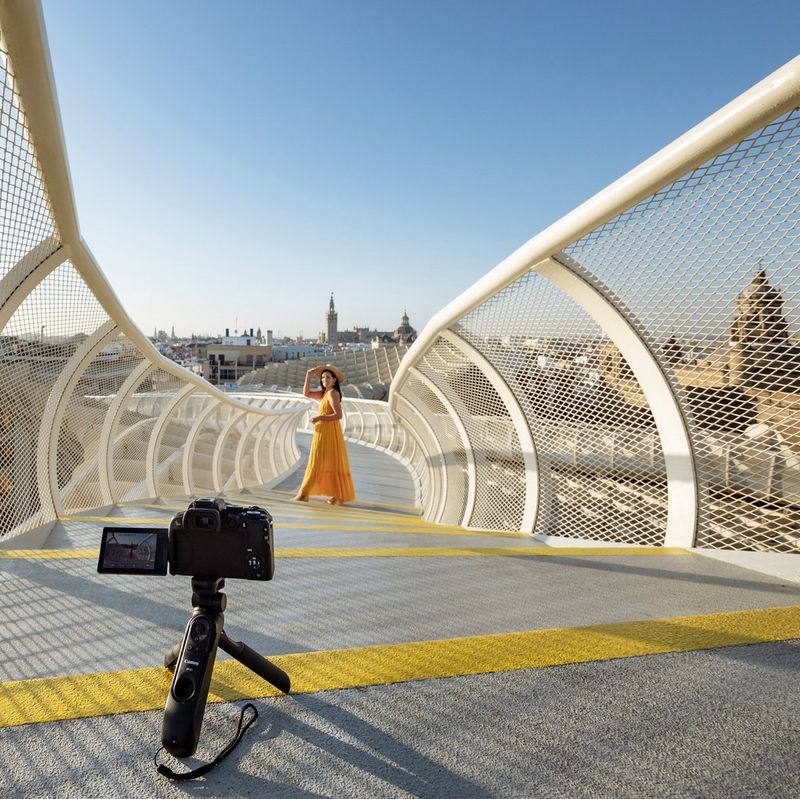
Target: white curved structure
90	412
626	373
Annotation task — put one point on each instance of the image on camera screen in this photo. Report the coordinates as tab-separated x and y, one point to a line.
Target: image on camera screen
132	551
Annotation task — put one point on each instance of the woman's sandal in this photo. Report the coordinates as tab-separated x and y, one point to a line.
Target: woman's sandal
334	501
300	498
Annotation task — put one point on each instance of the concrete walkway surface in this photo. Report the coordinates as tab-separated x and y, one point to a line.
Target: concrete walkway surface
427	661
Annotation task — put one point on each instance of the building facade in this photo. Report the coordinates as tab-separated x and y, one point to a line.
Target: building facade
235	356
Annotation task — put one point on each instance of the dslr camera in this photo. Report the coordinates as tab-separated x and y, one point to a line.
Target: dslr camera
209	540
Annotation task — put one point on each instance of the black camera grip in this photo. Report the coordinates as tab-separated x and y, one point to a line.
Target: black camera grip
186	701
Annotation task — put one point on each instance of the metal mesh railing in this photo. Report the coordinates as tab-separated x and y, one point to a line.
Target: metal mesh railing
25	218
90	413
634	374
716	255
600	462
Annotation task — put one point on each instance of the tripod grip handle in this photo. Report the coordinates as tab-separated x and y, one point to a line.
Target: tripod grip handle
186	701
255	662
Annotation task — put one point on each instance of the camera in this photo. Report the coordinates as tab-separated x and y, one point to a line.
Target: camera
210	539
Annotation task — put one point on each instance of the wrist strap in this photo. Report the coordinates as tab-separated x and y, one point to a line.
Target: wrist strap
206	767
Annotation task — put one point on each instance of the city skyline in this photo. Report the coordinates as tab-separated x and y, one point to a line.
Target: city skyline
277	333
262	153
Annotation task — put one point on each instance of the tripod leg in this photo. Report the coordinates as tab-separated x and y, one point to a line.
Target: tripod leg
171	658
255	662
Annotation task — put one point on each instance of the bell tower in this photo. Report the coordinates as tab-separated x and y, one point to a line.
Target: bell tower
332	323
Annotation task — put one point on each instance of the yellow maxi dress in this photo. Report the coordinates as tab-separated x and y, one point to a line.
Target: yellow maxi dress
328	470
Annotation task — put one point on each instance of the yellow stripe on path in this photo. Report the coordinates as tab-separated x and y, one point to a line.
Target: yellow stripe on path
393	552
122	521
47	554
79	696
468	552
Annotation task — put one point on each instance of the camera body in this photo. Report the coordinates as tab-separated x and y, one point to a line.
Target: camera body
209	540
213	539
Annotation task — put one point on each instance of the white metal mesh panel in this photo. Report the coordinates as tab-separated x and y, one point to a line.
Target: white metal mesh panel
228	455
727	334
450	454
386	438
494	444
39	384
601	469
169	459
429	477
283	452
200	467
134	430
266	451
83	420
35	346
25	218
247	465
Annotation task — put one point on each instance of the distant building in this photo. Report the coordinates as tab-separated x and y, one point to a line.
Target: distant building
361	335
235	356
332	322
405	333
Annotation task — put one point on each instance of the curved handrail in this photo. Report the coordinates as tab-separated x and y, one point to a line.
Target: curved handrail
81	447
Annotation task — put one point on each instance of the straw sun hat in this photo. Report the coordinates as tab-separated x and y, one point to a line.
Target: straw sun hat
339	374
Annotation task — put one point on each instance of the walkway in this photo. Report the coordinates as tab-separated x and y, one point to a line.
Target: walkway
417	655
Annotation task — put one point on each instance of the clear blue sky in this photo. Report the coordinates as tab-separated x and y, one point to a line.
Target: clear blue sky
246	158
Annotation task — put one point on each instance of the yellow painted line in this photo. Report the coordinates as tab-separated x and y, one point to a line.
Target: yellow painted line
386	506
394	552
79	696
122	521
167	508
410	523
307	516
369	526
47	554
467	552
398	530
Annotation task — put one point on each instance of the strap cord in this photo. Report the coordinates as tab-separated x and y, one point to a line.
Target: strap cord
206	767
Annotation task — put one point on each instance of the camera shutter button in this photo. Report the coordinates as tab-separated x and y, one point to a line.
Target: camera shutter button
200	630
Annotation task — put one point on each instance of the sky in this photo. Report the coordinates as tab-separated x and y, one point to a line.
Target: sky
235	163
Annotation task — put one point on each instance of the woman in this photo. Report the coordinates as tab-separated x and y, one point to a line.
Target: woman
328	470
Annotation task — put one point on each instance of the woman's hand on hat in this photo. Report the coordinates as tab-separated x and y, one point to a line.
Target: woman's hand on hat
311	371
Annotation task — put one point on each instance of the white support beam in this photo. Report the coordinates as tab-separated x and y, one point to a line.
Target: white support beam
240	450
157	434
18	283
53	415
534	476
191	443
466	444
377	439
105	448
676	445
282	435
262	432
438	490
219	448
